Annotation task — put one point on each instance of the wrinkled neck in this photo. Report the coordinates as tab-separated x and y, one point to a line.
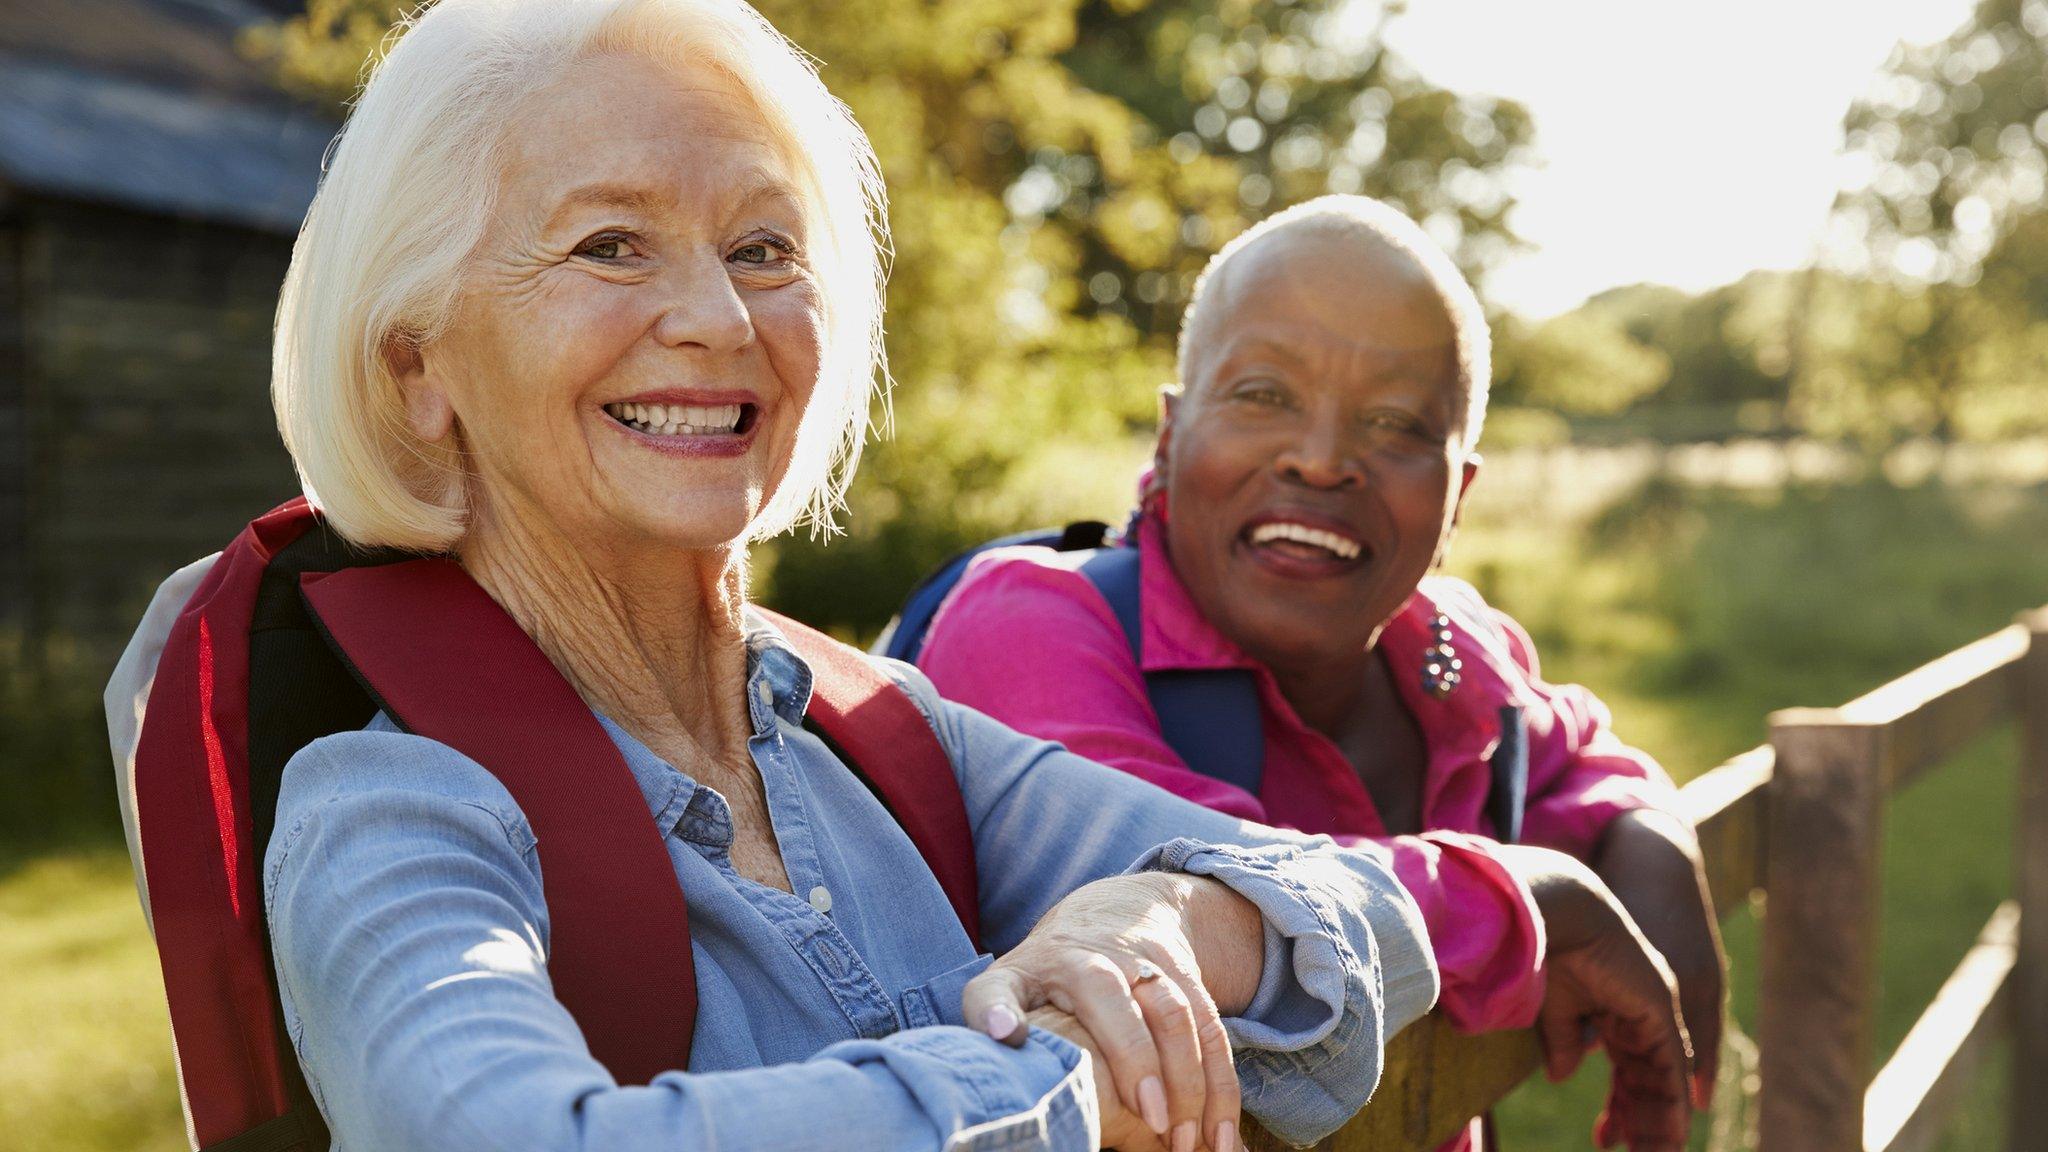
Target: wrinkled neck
649	636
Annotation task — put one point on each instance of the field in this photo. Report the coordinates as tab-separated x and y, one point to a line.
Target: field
1693	608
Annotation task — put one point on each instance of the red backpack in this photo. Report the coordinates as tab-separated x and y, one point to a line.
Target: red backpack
295	634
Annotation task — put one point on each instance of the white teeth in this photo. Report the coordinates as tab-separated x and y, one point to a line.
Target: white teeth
1329	542
678	419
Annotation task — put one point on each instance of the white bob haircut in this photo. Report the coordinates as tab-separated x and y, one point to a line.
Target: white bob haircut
406	198
1344	217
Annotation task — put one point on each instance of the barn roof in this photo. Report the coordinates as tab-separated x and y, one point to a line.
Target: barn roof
147	104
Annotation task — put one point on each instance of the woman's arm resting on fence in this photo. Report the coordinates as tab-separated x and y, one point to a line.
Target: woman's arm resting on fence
1605	982
1344	956
409	931
1651	860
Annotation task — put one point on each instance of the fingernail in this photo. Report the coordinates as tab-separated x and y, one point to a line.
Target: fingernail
1152	1104
1184	1136
1226	1136
1000	1022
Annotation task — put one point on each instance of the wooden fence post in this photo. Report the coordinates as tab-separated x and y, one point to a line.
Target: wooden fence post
2029	1113
1825	813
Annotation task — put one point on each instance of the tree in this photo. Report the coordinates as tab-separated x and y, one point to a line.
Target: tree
1946	156
1301	98
1053	190
1583	363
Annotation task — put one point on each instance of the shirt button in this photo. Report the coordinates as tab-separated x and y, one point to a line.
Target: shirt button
821	899
766	693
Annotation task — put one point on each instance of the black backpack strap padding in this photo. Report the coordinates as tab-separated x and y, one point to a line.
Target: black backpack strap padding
290	1132
298	692
1209	717
1507	796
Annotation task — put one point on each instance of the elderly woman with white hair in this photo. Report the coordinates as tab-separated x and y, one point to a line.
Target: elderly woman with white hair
588	301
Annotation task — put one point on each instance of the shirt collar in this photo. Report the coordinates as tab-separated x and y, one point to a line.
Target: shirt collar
778	680
679	802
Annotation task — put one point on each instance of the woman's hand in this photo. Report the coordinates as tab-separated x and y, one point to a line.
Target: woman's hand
1651	862
1122	1129
1606	983
1120	957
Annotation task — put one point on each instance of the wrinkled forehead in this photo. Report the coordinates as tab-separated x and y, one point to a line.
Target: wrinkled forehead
630	132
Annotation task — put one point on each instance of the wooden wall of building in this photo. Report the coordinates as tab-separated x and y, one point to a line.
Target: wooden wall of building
147	434
14	466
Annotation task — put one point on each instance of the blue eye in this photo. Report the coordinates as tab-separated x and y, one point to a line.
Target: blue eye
762	251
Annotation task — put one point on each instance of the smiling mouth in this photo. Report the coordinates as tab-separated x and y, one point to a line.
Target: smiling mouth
686	419
1304	551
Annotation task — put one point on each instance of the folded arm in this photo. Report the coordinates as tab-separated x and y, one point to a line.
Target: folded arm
1343	957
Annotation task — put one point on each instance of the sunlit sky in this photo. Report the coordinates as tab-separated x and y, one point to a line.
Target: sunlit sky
1682	142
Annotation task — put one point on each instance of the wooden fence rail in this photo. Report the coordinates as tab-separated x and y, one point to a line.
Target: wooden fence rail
1800	821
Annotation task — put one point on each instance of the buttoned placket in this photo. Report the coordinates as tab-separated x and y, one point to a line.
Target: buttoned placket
778	689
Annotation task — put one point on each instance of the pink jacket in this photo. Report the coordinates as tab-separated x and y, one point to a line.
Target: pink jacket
1027	639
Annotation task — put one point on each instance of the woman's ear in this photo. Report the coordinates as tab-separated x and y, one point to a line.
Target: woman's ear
1170	396
427	409
1468	473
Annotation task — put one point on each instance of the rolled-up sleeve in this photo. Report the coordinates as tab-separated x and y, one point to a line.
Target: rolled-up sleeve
1347	957
1330	984
410	935
1485	931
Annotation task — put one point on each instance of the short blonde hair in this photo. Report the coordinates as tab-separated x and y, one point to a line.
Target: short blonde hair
408	192
1341	215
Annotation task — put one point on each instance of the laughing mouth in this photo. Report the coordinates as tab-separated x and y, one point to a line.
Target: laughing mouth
684	419
1306	541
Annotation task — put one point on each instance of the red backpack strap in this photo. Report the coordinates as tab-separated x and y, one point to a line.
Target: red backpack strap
889	743
199	854
446	662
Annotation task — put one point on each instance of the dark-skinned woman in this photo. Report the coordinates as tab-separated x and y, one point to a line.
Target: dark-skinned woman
1309	473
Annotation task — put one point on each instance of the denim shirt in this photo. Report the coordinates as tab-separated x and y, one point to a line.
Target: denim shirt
410	936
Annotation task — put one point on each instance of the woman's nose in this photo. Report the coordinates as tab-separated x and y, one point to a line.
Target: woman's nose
1321	458
705	310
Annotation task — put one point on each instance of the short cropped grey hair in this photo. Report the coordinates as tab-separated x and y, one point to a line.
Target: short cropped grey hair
1354	216
410	189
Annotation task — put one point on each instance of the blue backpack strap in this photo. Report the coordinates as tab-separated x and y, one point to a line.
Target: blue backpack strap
903	639
1209	717
1508	795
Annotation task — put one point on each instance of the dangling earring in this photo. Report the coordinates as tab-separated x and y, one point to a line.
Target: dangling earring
1440	664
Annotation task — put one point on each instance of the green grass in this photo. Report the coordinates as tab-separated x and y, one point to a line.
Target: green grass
1693	614
86	1063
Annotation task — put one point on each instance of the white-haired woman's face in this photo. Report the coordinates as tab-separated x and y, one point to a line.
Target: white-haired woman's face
639	331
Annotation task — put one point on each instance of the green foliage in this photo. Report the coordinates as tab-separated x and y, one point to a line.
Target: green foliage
1947	150
1947	169
1582	362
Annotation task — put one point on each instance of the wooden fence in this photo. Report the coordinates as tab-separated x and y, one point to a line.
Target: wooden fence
1800	821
